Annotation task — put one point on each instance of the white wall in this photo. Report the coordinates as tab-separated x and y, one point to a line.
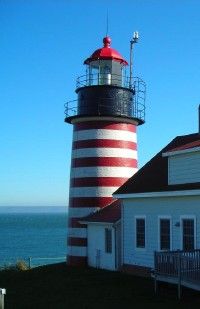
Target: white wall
96	241
152	208
184	168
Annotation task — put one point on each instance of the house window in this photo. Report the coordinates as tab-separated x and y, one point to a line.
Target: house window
164	234
188	234
108	240
140	233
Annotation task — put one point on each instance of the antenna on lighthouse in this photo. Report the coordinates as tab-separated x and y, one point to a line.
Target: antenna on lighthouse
107	23
132	42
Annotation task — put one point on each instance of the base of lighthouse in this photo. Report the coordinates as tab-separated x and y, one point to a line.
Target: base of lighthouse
104	156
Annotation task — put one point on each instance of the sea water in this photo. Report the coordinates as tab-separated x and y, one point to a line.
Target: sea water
38	233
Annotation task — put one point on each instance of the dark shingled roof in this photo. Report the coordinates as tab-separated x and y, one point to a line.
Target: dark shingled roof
153	176
110	214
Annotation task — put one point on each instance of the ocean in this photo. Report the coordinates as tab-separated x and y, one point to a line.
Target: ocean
38	233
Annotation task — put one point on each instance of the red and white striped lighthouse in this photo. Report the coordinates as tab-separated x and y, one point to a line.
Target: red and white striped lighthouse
104	146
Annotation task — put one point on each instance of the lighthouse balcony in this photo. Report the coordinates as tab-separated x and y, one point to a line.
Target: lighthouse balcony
108	100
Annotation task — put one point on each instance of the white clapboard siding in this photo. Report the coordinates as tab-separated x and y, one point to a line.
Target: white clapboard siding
153	209
184	168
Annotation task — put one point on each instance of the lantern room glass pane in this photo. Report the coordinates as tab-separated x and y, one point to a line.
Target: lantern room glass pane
117	73
93	73
105	72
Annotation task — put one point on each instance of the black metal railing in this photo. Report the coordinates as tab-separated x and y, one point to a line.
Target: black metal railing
136	108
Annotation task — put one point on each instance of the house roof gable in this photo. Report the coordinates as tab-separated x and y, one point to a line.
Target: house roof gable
108	214
153	176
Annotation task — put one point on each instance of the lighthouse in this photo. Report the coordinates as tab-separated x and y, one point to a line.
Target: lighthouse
105	116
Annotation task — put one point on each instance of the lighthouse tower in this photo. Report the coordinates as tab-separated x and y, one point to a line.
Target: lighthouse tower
105	116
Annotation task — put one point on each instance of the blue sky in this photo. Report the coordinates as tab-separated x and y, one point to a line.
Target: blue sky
43	46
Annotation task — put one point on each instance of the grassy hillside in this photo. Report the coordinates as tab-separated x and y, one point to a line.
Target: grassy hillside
60	286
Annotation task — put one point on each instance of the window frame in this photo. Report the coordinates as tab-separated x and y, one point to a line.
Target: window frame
187	217
164	217
138	217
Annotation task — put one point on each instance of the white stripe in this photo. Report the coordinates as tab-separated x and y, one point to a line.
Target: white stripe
104	152
103	171
76	232
104	134
77	251
92	191
80	211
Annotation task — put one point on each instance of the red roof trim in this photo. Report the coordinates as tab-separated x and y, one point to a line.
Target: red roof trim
191	145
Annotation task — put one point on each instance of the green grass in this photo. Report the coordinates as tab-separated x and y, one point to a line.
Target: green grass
60	286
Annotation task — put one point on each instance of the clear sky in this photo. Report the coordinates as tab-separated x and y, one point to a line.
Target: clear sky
43	46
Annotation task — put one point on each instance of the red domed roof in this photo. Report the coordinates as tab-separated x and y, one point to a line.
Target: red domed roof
106	53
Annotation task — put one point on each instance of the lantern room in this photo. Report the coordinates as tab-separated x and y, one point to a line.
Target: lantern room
105	90
105	66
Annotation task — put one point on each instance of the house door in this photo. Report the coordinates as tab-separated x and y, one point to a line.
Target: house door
188	234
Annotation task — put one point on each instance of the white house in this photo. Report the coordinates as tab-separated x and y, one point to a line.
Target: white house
104	237
160	204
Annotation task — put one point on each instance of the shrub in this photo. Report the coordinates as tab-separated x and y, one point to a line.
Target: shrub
21	265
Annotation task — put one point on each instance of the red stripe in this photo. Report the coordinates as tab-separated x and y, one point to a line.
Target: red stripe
105	125
106	161
76	260
98	181
107	143
90	202
77	241
74	222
